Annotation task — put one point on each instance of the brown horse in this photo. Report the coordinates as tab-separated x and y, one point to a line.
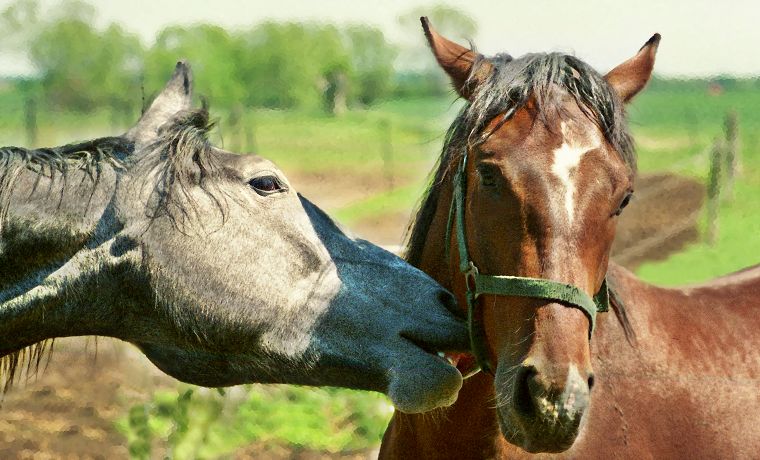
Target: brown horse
675	372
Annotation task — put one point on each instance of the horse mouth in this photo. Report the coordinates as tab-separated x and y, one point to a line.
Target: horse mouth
523	425
465	363
535	435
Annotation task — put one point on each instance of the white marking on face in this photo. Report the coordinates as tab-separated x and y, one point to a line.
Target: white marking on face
566	160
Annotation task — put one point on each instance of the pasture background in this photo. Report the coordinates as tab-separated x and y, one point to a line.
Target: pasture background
366	165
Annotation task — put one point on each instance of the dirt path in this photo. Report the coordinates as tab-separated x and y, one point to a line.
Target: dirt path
69	410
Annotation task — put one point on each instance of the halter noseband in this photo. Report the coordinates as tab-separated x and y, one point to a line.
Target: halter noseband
518	286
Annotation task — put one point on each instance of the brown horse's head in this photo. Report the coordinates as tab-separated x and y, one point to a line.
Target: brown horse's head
550	167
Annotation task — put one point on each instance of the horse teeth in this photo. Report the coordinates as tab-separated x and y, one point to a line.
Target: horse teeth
448	358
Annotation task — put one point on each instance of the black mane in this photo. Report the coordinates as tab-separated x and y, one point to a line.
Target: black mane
89	156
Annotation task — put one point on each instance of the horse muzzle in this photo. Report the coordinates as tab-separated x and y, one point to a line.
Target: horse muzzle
540	416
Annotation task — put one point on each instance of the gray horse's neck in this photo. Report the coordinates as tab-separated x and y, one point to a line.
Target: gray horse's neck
53	238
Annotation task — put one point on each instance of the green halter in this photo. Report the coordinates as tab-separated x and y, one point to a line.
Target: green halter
517	286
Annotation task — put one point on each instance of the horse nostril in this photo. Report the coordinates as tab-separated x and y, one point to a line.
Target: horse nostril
590	382
523	395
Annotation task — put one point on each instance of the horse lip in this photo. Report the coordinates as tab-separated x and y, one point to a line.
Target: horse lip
534	436
465	363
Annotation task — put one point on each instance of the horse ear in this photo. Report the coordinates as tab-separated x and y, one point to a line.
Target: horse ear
176	96
457	61
630	77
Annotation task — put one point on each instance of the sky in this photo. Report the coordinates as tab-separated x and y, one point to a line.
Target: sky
700	37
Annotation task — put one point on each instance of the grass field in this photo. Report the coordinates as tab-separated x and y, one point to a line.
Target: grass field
389	148
673	130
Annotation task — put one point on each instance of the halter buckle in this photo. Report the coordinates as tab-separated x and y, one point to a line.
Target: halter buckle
469	275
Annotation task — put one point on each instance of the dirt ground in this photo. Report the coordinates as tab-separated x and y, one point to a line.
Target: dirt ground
68	411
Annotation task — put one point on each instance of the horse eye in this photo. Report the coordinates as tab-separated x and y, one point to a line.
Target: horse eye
267	185
624	203
487	177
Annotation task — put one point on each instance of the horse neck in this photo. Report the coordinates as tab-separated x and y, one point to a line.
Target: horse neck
45	261
49	215
463	427
433	256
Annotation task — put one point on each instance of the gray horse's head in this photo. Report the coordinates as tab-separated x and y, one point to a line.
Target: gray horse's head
221	273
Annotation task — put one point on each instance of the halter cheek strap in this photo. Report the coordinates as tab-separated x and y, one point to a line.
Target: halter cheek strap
503	285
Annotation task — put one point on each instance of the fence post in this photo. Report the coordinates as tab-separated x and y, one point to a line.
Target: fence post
731	159
713	191
386	152
234	132
30	120
250	132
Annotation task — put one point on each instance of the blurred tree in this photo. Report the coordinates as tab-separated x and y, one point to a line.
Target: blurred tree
80	67
447	20
289	65
18	21
275	65
212	51
419	72
83	68
371	58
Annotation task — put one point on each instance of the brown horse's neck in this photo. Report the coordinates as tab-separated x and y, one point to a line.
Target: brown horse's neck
423	435
433	260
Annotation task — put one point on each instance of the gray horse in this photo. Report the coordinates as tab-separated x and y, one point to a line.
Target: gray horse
212	265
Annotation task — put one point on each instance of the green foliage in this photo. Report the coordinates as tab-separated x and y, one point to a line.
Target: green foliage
92	69
287	65
371	59
422	75
272	65
325	419
81	67
185	424
138	419
674	123
176	423
213	54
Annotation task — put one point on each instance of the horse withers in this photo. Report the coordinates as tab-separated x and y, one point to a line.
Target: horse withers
519	224
212	265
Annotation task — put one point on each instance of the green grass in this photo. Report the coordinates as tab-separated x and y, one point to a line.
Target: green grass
679	126
398	199
189	423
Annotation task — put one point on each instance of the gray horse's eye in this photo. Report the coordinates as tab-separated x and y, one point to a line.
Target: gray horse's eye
267	185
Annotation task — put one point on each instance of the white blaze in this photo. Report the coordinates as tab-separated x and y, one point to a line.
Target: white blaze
566	160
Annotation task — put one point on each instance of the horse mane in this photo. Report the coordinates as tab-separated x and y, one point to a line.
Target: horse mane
182	156
545	77
89	156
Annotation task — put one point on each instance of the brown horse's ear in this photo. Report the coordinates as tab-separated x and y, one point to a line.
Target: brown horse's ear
457	61
631	76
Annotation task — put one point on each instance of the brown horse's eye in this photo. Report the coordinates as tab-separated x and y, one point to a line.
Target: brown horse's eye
487	177
624	203
267	185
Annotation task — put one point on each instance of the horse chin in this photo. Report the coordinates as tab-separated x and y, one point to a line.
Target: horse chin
430	383
535	435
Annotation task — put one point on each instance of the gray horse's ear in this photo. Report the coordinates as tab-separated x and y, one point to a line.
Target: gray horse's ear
630	77
457	61
176	96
